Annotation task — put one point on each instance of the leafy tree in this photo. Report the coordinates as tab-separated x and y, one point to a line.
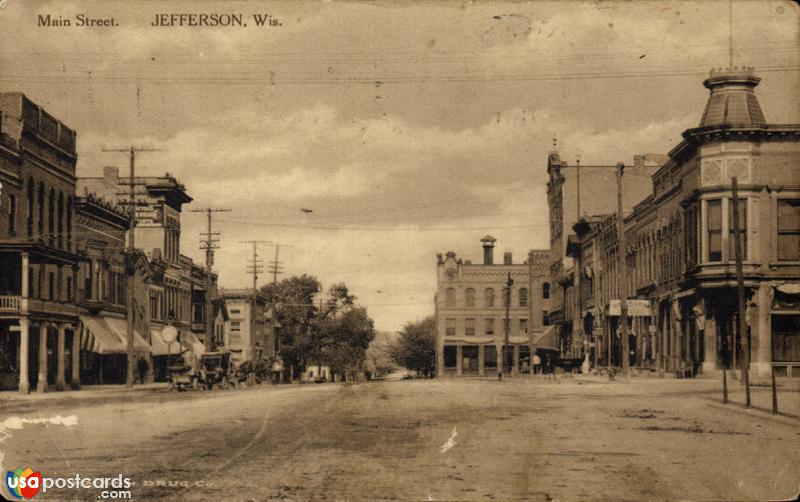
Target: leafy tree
337	334
293	301
343	333
416	347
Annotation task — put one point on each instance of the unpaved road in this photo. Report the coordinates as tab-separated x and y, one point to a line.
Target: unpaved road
515	440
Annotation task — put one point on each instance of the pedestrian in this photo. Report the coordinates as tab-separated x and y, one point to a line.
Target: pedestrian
141	365
537	364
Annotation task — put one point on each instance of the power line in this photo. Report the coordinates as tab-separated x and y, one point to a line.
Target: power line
381	229
259	78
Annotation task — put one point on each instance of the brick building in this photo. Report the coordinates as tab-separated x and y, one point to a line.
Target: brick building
679	259
470	312
38	260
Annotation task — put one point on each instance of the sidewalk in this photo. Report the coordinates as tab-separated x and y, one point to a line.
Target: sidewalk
86	392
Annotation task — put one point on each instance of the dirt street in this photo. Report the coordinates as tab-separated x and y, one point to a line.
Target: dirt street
420	440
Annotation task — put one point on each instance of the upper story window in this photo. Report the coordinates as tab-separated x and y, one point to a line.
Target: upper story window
488	297
742	228
450	297
714	230
450	327
12	214
523	326
469	297
546	290
469	327
488	325
236	326
523	297
789	229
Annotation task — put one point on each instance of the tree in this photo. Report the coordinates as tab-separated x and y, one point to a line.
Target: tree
415	349
342	333
336	334
293	301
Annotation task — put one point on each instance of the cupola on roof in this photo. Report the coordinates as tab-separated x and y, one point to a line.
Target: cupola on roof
732	101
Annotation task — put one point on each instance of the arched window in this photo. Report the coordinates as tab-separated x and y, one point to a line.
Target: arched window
61	220
523	297
546	290
31	208
469	297
69	223
51	216
488	297
450	297
41	209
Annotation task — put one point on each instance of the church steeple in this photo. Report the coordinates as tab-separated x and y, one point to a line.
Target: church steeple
732	102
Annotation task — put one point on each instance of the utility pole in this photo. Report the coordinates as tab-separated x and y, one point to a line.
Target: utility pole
275	265
744	336
509	283
209	246
255	266
129	258
622	278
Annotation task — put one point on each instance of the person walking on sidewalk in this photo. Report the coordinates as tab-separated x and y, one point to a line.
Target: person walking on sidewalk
141	366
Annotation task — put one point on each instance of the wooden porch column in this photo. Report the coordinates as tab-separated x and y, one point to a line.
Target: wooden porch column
459	360
481	356
26	265
532	352
515	367
24	329
76	357
60	377
41	382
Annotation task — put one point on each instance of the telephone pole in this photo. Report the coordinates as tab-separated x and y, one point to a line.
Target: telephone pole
129	259
623	278
744	336
209	246
507	291
255	266
275	265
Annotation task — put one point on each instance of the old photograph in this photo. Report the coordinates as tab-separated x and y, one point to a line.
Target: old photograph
434	250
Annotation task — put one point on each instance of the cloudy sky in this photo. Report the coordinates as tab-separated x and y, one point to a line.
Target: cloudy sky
408	128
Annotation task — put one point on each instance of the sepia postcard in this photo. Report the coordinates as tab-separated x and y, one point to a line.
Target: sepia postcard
356	250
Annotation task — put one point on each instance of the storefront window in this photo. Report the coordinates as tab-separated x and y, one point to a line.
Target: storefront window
786	338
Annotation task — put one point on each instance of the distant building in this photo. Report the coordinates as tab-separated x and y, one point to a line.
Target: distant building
470	312
249	333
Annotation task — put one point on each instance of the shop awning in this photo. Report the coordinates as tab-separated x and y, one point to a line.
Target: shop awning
109	336
160	347
120	327
190	341
546	339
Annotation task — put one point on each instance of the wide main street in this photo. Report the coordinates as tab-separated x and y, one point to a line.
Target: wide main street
576	438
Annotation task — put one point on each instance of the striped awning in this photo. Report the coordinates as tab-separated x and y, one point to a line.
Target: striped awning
106	335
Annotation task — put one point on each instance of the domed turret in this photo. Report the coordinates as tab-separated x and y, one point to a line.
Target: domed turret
732	102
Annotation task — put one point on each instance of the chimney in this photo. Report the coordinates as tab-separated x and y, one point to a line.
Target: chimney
488	249
111	173
507	258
